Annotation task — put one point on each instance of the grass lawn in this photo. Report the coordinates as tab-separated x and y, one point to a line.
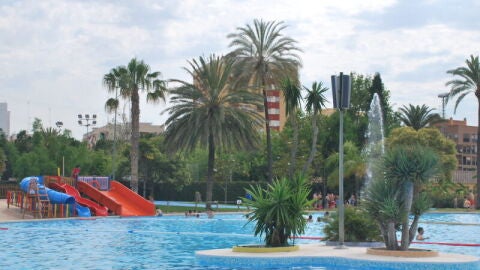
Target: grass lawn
183	209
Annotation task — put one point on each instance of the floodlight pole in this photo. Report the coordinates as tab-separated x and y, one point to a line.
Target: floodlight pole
84	120
444	97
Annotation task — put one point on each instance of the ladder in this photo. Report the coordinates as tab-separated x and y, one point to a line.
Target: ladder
37	199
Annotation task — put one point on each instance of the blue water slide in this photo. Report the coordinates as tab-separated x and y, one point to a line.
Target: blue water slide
55	197
82	211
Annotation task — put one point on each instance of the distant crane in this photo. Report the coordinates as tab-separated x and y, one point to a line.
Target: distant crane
444	97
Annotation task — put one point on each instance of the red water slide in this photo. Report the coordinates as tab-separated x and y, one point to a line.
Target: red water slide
119	199
96	209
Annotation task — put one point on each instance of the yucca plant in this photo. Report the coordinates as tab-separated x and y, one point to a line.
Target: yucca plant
279	210
391	197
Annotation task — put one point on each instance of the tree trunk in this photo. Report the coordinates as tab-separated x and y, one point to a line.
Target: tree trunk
392	243
268	133
405	222
413	228
134	140
293	154
477	200
313	148
210	171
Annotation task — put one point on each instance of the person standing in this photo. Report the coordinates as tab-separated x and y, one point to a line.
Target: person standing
75	173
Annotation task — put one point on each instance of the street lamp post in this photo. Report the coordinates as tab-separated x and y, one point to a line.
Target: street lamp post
341	86
86	121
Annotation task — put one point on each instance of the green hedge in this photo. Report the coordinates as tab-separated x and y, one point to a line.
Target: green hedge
170	192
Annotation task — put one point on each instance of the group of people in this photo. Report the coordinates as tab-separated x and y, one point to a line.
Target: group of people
325	217
331	200
194	213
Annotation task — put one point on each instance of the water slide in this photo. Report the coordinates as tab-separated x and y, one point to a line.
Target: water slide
94	207
119	199
55	197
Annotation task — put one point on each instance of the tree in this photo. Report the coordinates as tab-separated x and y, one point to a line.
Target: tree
211	113
268	57
392	196
469	82
131	80
431	138
377	87
293	97
354	169
315	101
418	117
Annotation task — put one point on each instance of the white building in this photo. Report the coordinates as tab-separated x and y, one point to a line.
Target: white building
4	118
122	132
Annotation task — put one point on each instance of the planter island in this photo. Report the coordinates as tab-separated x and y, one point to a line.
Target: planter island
319	255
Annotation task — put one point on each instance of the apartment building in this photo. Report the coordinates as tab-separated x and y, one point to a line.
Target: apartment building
122	132
465	138
4	118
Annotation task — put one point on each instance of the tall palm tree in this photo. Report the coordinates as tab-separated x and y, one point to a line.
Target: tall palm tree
469	82
315	101
130	80
293	97
268	56
418	117
212	113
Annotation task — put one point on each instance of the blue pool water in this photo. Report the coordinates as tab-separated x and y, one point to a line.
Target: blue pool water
170	241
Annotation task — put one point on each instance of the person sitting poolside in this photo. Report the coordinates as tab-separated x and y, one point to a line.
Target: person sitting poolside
159	212
420	236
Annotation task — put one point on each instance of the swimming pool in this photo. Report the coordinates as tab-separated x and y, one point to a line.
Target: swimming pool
170	241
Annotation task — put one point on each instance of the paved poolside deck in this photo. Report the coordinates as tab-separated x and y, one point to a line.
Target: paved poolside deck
312	254
11	214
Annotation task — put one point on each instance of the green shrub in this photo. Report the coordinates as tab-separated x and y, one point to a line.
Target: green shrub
358	227
278	210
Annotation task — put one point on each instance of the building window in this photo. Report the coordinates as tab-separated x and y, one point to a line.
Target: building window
274	123
466	137
273	111
273	99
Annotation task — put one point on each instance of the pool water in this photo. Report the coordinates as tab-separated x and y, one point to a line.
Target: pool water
171	241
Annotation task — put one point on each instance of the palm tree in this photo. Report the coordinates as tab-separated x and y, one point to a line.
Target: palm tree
211	113
469	82
418	117
315	102
130	80
268	56
293	97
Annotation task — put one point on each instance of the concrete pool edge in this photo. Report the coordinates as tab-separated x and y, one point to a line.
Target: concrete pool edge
319	255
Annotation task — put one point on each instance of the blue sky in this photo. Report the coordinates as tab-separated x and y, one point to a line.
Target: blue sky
53	54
